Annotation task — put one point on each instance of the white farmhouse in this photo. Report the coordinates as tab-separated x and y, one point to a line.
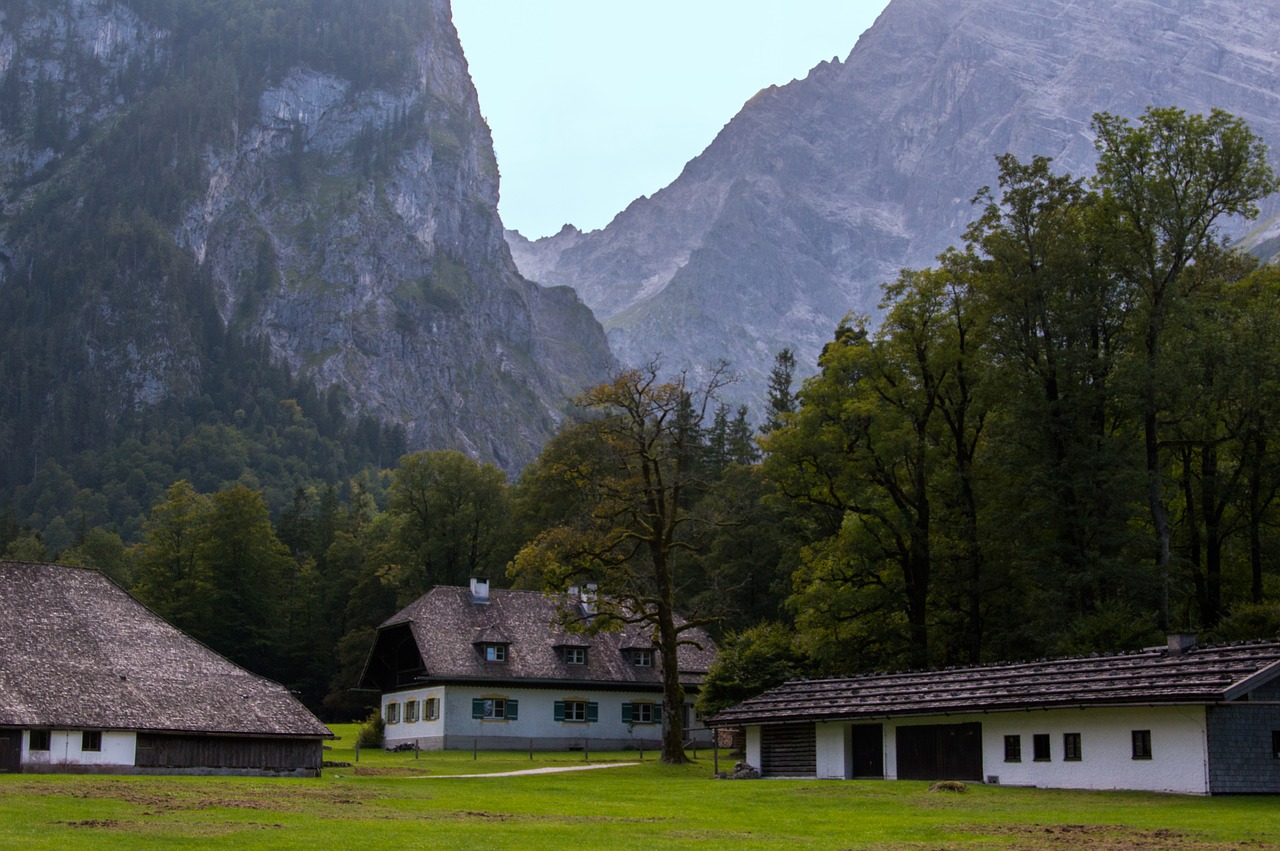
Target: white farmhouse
1177	719
476	667
92	681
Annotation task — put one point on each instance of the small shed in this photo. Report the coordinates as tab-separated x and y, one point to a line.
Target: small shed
1177	718
93	681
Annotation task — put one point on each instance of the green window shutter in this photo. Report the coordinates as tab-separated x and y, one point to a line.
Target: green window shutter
626	713
657	713
477	707
512	706
593	712
559	710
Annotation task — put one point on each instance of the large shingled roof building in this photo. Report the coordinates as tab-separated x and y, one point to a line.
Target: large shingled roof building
1177	718
473	667
91	680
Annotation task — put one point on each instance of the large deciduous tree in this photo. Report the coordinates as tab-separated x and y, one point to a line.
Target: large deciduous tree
630	526
1166	182
451	517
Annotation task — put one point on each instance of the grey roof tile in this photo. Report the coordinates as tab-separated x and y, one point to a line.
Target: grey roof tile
1200	675
76	651
447	625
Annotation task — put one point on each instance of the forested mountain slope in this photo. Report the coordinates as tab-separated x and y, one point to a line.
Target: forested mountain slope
199	192
820	190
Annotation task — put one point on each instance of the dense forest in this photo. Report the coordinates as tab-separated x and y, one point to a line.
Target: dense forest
1061	438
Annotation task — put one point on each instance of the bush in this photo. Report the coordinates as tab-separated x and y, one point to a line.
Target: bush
371	730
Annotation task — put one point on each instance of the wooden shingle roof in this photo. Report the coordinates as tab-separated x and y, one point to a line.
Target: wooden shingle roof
76	651
1153	676
448	625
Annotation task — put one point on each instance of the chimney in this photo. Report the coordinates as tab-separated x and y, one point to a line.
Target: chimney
479	590
1181	642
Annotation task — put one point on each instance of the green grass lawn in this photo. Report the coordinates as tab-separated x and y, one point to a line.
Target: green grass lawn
395	800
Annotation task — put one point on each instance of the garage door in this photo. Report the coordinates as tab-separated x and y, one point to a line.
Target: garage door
789	750
940	752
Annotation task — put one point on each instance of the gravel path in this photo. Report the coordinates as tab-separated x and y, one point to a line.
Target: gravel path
550	770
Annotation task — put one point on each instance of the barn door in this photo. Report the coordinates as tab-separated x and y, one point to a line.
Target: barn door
940	752
10	751
789	750
868	750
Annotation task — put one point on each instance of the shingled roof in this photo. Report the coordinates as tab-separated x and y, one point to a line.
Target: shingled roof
76	651
448	625
1153	676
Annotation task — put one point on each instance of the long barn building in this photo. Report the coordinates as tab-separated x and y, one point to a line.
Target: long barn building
93	681
1178	718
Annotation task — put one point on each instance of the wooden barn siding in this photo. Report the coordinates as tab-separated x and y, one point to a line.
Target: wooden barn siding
228	752
789	750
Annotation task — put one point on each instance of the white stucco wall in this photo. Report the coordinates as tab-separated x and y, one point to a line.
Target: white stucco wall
833	742
535	719
753	747
118	749
1178	760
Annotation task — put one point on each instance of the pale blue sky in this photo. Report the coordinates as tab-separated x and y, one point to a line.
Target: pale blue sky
594	103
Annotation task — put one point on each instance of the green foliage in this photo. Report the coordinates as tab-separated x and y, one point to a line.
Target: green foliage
372	730
750	662
451	519
987	474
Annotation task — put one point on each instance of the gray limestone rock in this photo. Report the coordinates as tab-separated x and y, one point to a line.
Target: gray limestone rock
819	191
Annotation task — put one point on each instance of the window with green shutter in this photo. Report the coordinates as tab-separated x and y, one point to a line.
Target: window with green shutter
641	713
577	711
493	709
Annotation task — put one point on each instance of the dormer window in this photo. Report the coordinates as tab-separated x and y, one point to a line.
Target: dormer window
642	658
494	652
575	655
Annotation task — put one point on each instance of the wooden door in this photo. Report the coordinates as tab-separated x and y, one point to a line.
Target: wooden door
868	750
10	751
940	752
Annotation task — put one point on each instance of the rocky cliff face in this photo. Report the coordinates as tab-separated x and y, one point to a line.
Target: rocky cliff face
352	225
820	190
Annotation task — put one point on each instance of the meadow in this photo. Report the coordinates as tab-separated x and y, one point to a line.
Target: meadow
408	800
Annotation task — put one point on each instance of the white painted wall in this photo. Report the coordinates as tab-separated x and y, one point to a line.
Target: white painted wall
118	748
833	741
535	719
753	747
1178	761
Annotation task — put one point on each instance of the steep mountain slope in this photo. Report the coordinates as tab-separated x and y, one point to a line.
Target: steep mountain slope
818	191
314	174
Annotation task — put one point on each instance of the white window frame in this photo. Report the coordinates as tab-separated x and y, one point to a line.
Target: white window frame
642	713
410	711
575	655
495	653
431	709
393	712
642	658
